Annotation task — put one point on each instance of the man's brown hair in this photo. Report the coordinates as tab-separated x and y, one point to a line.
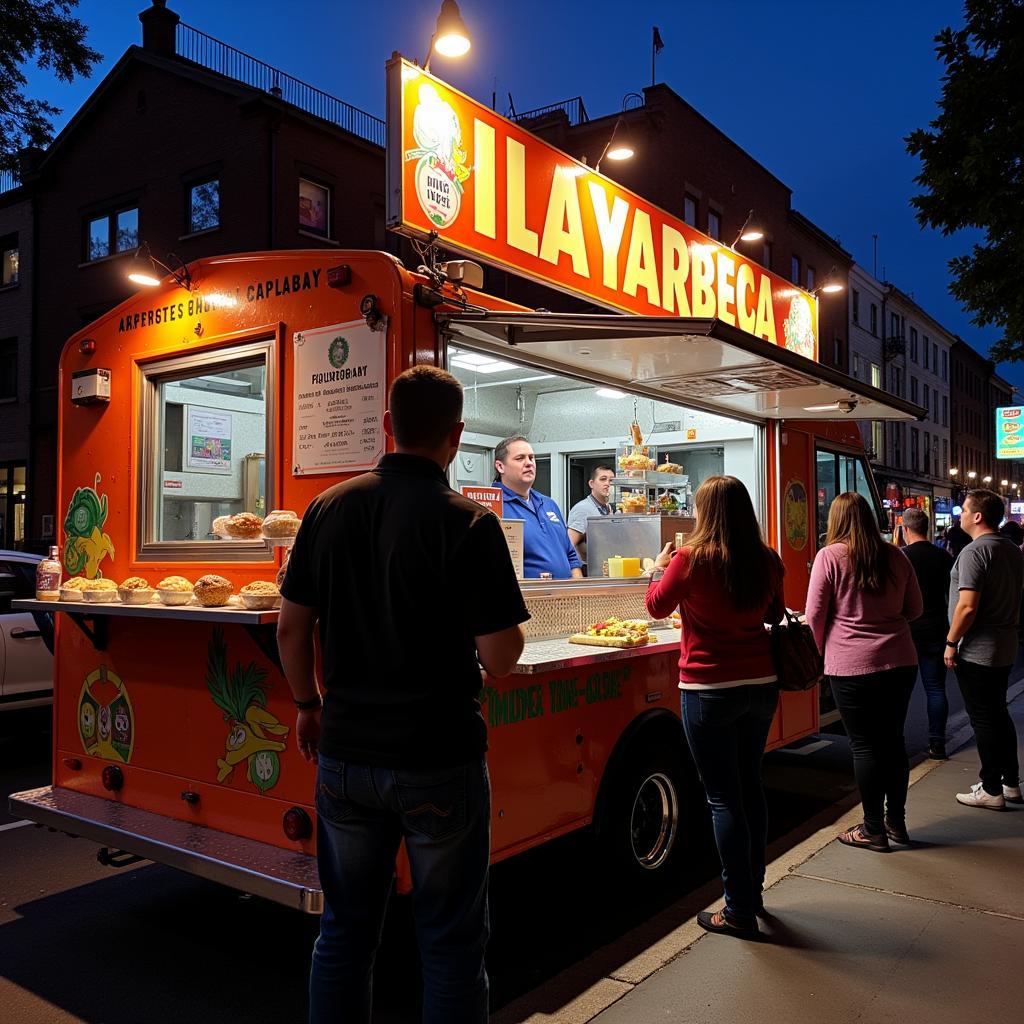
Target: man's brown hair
915	521
601	468
425	404
989	504
501	452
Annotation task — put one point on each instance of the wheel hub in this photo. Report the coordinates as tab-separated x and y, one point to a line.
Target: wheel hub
654	824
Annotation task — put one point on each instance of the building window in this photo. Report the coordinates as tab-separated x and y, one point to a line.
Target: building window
9	260
114	232
945	365
878	439
314	208
8	369
897	381
927	454
715	225
945	410
876	376
204	205
810	279
935	358
927	399
945	457
913	389
935	407
894	325
926	347
690	210
913	343
794	270
915	452
856	306
874	320
766	256
856	365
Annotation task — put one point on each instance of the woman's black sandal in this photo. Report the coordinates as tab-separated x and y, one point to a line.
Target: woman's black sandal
721	925
861	839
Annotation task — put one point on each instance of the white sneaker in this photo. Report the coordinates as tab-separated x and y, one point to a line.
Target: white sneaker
1012	795
979	798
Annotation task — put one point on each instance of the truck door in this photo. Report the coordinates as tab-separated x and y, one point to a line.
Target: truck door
796	519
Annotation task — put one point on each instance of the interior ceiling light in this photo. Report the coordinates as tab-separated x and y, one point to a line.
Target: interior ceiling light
829	407
474	358
609	393
481	365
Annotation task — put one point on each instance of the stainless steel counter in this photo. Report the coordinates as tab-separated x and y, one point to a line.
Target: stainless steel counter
553	655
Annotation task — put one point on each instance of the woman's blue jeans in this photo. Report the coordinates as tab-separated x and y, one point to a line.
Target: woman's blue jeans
932	667
444	815
727	730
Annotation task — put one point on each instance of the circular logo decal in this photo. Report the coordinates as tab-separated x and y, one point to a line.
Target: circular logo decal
106	722
437	192
337	352
799	327
794	514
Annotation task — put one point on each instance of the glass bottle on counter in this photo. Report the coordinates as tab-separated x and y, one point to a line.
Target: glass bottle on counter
48	575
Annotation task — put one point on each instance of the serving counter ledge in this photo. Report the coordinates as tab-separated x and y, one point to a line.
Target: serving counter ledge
555	655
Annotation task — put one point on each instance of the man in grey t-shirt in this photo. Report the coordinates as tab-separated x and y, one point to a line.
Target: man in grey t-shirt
985	591
593	505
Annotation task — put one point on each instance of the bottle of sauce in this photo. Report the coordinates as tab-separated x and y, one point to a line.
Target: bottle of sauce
48	573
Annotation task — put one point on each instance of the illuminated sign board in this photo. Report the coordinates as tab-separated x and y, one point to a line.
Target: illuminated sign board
486	187
1010	432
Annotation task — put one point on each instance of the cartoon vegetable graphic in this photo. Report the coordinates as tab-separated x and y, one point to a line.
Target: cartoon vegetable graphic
87	545
242	695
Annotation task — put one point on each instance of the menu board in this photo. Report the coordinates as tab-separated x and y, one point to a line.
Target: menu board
338	398
208	440
1010	432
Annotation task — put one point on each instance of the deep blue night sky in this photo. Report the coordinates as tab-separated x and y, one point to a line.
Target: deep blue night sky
822	94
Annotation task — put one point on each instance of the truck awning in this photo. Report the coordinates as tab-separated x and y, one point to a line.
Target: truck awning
705	364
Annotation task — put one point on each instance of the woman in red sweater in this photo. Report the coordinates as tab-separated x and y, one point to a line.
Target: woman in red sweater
727	583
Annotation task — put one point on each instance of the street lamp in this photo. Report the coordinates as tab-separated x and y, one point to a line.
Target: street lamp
451	37
986	480
750	232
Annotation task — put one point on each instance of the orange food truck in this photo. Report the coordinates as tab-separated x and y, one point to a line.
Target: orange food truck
249	383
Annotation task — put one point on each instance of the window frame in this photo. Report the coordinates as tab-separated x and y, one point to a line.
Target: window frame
717	215
190	186
8	244
316	232
110	214
689	197
149	375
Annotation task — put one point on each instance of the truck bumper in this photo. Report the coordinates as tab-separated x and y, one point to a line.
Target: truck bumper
283	876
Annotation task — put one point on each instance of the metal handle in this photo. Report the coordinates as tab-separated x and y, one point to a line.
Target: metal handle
19	633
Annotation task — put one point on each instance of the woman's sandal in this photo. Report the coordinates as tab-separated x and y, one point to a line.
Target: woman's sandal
897	833
860	838
721	925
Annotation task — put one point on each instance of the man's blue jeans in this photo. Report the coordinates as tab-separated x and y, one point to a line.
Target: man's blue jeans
444	815
727	730
933	677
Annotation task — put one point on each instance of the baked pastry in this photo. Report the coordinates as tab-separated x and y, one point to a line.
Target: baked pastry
71	589
281	524
614	633
99	590
260	595
213	591
134	583
632	502
636	459
175	583
670	467
244	526
219	527
99	584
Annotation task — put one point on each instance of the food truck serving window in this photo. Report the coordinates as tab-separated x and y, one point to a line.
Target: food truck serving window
206	451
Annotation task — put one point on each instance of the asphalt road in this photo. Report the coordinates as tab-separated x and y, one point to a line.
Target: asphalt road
148	945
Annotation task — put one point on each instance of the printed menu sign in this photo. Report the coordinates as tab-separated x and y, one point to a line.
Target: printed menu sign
338	399
209	440
489	497
1010	432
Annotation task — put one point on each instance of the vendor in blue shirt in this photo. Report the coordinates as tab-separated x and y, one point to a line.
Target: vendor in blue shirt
546	544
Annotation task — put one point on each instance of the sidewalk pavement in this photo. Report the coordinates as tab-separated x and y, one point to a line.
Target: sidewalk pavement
934	931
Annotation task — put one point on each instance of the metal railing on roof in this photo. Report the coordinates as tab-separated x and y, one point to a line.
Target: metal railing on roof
574	110
214	55
8	180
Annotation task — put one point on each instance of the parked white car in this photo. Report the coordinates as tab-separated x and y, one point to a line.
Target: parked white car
26	663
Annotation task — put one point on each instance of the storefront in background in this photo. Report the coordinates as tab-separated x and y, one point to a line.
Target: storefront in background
897	497
943	508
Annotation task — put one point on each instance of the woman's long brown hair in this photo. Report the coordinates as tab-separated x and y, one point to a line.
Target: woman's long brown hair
851	522
728	538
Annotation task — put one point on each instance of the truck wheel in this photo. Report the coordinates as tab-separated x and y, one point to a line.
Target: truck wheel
648	819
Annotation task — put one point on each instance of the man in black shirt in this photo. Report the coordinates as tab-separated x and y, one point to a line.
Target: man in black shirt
932	566
410	586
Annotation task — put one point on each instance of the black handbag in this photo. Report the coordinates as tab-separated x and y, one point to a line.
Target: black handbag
795	654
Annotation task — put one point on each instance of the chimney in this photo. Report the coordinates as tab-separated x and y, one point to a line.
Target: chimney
158	29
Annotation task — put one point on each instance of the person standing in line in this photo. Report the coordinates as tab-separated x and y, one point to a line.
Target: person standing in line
727	584
956	539
984	613
405	606
861	598
593	505
932	566
546	544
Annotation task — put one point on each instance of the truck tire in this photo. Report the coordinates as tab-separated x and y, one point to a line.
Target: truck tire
652	815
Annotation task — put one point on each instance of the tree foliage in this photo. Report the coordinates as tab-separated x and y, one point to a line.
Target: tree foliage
973	164
43	31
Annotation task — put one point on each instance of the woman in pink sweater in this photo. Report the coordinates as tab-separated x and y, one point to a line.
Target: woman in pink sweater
862	595
727	583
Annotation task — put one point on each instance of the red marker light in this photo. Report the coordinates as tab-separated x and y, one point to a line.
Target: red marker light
71	762
297	824
112	778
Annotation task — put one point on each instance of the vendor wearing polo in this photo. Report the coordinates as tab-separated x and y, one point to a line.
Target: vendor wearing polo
593	505
546	544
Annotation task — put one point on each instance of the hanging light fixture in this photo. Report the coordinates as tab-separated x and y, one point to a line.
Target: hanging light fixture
750	232
831	284
451	37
